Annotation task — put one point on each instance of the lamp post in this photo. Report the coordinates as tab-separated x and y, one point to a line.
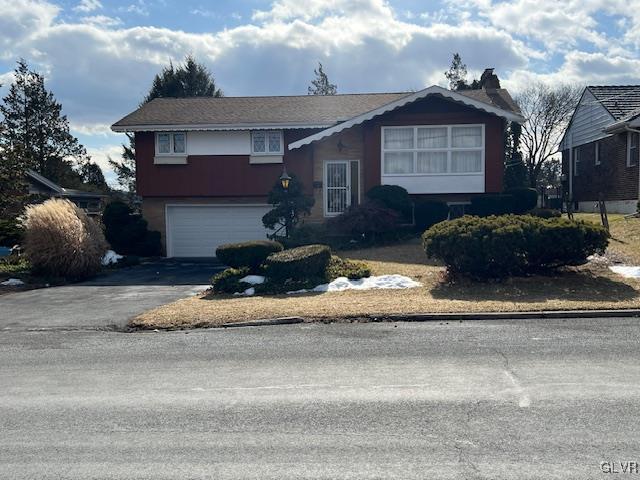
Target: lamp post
284	181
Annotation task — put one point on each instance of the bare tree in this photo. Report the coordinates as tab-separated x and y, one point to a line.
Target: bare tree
548	110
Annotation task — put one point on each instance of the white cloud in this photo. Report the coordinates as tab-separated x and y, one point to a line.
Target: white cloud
139	8
101	155
86	6
102	20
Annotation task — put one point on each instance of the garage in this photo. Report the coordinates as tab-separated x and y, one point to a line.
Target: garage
196	230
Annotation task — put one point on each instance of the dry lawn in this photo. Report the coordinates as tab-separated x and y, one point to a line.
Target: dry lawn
625	235
581	288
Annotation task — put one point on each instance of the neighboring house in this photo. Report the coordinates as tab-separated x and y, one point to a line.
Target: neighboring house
600	149
90	202
206	165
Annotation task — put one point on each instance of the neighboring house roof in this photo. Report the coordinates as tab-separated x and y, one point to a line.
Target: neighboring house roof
310	111
480	99
61	191
622	101
44	181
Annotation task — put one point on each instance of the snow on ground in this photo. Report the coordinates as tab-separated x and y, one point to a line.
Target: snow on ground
110	257
626	271
12	282
370	283
253	279
248	292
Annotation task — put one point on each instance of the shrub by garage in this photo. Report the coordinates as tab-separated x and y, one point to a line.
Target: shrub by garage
247	254
499	246
127	232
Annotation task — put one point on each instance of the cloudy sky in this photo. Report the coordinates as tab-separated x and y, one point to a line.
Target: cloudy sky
100	56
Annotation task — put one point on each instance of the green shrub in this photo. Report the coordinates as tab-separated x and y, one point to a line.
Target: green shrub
393	197
544	213
11	232
429	212
62	241
228	281
493	204
298	263
247	254
512	244
305	234
127	232
524	199
352	269
366	219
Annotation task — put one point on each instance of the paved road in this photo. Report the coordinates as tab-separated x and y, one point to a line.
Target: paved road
108	300
529	399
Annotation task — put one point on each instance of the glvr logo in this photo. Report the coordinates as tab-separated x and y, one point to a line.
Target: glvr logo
619	467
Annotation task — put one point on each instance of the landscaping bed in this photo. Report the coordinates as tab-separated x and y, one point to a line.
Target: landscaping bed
588	287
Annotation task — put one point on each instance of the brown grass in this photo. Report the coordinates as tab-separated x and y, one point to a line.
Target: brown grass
60	240
582	288
625	235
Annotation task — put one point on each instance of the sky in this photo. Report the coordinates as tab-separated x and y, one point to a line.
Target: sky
99	57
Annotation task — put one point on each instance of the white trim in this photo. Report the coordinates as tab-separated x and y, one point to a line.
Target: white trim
325	197
170	160
268	152
265	159
167	229
448	149
186	127
629	134
171	153
433	90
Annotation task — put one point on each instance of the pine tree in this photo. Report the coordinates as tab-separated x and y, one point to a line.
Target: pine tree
93	178
33	131
321	85
457	73
189	80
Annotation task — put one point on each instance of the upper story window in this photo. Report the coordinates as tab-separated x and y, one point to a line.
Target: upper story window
433	150
632	148
266	142
171	143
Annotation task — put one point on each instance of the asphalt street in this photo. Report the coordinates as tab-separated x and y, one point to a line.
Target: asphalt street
532	399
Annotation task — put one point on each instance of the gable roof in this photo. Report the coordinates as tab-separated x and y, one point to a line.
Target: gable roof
479	99
299	111
64	192
622	101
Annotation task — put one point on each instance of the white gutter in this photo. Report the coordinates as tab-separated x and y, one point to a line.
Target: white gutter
214	127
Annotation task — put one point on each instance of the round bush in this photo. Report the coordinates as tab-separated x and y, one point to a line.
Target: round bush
298	263
524	199
544	213
367	218
491	204
429	212
247	254
500	246
228	281
61	241
393	197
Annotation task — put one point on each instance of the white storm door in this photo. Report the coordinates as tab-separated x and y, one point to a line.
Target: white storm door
337	181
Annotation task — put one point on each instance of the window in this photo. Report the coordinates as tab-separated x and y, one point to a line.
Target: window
632	148
597	152
576	161
266	142
171	143
433	150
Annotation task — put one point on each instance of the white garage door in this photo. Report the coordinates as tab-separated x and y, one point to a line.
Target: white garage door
196	231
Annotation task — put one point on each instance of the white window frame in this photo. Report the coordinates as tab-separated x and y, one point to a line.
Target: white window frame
629	135
267	152
597	153
171	145
449	149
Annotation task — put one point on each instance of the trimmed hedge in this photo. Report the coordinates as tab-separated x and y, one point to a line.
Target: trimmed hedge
393	197
298	263
365	219
342	267
545	213
524	199
496	247
429	212
247	254
228	281
486	205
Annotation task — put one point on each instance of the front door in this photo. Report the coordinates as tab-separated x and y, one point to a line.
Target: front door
341	179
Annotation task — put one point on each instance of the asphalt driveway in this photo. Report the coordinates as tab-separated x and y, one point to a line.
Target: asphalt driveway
107	301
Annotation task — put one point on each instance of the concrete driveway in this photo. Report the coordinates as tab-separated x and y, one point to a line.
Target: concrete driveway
107	301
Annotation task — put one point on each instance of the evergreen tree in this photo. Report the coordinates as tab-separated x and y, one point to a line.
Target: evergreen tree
457	73
93	178
321	85
33	131
189	80
515	172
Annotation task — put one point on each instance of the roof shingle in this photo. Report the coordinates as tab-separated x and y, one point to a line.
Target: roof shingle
622	101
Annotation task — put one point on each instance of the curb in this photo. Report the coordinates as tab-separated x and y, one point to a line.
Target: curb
440	317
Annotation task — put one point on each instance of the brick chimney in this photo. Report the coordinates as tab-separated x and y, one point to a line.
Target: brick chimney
489	80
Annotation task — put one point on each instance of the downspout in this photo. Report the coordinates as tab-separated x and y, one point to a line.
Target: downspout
635	130
571	167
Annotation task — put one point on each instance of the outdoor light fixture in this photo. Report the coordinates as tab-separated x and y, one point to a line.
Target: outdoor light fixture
285	179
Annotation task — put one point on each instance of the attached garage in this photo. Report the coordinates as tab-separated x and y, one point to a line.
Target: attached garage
196	230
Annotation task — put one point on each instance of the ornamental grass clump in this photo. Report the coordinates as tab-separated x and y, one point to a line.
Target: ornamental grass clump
62	241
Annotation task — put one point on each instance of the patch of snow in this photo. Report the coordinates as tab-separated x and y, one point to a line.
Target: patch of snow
626	271
111	257
247	293
253	279
12	282
371	283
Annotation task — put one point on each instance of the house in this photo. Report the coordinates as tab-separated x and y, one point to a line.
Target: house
600	149
205	165
90	202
